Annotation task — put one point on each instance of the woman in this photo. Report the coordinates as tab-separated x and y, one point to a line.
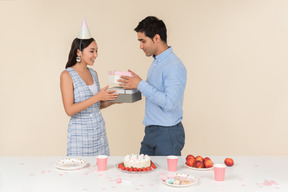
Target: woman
83	99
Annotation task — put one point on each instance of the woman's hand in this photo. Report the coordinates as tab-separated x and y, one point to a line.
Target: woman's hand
107	95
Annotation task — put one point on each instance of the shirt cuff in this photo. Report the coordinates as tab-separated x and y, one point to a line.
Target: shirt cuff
141	86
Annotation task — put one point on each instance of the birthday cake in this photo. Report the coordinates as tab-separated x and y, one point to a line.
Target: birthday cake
137	163
136	160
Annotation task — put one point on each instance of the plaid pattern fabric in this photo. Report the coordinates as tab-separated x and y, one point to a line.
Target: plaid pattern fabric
86	130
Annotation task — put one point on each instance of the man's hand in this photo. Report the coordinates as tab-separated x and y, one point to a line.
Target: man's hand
130	82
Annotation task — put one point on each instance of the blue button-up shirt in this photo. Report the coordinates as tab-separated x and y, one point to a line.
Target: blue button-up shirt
164	90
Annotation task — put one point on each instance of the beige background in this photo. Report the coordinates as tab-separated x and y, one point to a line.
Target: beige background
235	52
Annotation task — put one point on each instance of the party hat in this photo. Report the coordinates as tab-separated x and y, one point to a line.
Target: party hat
84	31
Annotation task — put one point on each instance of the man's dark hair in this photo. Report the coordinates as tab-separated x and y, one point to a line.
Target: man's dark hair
151	26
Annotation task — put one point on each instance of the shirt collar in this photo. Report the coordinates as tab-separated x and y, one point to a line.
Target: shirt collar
163	55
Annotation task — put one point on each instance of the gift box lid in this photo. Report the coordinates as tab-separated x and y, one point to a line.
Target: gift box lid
120	90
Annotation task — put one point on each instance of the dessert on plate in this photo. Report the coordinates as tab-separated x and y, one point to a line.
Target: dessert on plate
137	163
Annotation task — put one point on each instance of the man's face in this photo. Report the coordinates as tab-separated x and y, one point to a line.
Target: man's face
146	44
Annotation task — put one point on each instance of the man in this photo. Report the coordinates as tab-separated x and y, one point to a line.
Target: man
164	91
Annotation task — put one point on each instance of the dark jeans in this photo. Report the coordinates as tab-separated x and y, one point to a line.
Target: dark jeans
163	141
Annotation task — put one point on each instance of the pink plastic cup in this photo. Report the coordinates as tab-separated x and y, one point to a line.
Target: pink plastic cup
102	162
219	172
172	163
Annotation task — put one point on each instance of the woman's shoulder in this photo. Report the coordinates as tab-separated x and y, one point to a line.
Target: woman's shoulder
65	74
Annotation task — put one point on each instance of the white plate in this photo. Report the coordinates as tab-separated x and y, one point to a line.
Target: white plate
183	176
199	169
133	172
70	164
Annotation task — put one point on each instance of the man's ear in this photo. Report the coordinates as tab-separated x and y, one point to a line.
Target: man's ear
157	38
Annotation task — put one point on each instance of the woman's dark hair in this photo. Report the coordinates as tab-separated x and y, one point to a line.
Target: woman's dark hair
151	26
77	44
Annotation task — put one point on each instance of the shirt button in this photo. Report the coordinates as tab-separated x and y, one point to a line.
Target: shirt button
91	115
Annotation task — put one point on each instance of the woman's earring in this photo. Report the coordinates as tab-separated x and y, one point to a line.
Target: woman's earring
78	59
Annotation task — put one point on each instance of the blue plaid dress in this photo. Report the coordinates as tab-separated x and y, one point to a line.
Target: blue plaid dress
86	130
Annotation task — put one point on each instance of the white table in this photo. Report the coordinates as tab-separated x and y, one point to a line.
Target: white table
38	174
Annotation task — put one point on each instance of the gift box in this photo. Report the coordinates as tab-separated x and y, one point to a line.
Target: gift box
114	75
126	95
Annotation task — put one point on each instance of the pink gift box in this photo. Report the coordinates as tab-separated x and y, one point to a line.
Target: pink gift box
114	76
120	73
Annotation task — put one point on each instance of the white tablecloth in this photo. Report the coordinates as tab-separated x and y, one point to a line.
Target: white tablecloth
38	174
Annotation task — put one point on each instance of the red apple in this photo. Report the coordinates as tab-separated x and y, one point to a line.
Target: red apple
208	163
229	162
206	158
189	157
191	162
199	158
199	164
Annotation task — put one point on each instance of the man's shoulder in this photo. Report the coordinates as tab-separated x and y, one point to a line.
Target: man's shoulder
174	61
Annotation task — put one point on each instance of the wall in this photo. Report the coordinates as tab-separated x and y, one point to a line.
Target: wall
235	52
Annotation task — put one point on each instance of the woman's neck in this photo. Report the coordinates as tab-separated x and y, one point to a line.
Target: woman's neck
81	67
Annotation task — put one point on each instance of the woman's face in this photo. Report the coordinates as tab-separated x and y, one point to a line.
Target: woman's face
89	54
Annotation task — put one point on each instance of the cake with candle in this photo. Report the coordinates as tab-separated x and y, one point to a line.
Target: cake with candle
136	160
137	163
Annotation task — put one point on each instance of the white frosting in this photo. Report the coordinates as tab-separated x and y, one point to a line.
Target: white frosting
136	160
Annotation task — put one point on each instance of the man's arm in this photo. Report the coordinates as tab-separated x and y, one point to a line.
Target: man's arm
174	86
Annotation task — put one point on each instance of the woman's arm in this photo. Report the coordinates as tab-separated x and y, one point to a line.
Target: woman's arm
71	108
104	104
